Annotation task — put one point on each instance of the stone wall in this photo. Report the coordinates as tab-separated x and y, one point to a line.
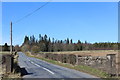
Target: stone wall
105	63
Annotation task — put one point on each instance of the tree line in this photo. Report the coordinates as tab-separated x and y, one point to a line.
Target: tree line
47	44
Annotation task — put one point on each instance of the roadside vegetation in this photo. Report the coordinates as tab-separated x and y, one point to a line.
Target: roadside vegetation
82	68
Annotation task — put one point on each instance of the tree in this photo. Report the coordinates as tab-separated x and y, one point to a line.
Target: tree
79	46
17	48
53	40
25	48
44	43
85	42
26	40
71	41
40	37
42	46
32	39
35	49
67	41
79	42
45	37
6	47
49	45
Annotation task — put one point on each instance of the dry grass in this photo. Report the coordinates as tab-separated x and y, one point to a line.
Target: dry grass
90	52
4	52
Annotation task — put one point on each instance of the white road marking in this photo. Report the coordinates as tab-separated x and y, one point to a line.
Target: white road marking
41	67
48	70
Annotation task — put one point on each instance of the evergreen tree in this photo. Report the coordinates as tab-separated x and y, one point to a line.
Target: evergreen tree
45	37
67	41
46	44
26	40
40	37
71	41
6	47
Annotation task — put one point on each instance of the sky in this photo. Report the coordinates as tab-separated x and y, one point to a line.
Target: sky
60	0
85	21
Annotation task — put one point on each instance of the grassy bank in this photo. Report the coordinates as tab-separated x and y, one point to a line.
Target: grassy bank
81	68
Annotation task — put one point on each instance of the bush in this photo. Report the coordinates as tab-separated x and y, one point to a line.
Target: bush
35	49
25	48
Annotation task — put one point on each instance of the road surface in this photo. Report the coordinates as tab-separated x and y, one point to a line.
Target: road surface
36	68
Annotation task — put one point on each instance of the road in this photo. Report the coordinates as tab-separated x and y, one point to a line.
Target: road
36	68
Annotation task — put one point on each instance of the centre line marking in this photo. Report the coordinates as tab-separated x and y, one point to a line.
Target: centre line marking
42	67
48	70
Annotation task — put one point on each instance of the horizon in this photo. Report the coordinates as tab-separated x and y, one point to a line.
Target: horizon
91	22
57	40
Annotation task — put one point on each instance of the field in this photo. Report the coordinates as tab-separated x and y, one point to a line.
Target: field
89	52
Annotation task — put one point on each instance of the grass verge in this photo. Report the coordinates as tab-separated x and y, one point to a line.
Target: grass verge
81	68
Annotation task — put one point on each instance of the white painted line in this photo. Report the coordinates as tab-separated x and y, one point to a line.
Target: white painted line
41	67
32	62
37	65
48	70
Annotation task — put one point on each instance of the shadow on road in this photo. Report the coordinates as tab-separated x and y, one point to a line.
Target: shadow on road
24	72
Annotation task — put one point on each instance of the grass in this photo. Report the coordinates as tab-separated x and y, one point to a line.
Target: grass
92	71
81	68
